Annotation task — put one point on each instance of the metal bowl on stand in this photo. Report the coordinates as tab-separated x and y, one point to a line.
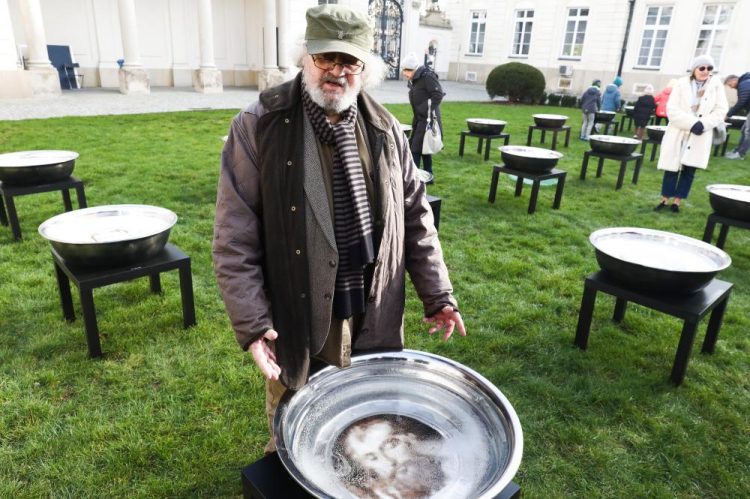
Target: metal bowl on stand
611	144
405	128
529	159
400	424
656	132
605	116
657	261
732	201
737	121
36	167
109	236
629	111
424	175
485	127
550	120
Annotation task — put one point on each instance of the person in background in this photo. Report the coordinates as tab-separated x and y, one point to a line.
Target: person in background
642	111
661	101
320	215
742	85
697	105
612	99
423	86
591	101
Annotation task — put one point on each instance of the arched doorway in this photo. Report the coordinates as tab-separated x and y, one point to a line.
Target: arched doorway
388	16
430	55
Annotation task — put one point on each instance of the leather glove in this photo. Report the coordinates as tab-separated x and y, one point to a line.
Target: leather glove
697	128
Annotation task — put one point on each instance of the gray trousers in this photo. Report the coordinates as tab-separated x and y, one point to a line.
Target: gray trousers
587	125
744	143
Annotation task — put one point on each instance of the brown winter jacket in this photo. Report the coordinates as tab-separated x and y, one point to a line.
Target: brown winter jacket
274	248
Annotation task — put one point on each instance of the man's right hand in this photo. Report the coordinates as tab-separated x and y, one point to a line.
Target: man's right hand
264	356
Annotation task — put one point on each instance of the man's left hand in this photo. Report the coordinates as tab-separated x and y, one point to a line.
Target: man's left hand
446	318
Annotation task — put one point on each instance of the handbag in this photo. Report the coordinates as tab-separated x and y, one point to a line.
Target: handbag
433	139
720	134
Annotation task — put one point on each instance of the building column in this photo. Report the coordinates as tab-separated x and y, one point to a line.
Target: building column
270	75
284	35
207	78
133	77
42	76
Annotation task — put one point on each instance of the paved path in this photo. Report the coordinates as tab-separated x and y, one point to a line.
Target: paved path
103	101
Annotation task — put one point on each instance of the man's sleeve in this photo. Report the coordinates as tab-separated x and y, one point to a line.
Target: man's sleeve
238	234
743	99
424	255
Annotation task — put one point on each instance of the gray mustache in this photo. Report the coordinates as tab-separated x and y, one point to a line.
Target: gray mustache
328	78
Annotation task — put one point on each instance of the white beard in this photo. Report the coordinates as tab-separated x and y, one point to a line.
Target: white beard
330	103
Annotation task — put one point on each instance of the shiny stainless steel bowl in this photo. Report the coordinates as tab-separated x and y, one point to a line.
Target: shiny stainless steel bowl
424	175
36	167
405	128
611	144
530	159
109	236
656	132
657	261
629	111
737	121
485	127
393	423
731	201
550	120
605	116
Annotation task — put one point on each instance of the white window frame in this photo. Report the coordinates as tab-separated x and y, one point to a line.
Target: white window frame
525	21
577	18
479	21
713	28
655	28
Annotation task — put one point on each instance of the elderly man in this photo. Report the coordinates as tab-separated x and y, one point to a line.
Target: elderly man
742	85
320	214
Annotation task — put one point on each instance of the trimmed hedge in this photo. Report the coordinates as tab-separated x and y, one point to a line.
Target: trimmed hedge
517	81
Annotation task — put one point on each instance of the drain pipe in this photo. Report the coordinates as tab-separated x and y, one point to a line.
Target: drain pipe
625	40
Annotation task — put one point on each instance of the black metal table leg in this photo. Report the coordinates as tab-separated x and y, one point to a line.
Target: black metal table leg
637	172
487	149
66	200
479	145
528	139
584	317
554	140
519	186
544	134
567	137
461	146
643	148
683	352
13	218
3	216
534	196
714	325
89	321
66	300
654	147
708	232
621	306
599	167
723	232
621	175
507	140
81	194
585	165
186	291
559	192
493	184
155	283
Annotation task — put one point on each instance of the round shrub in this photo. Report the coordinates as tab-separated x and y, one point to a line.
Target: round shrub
517	81
554	99
568	101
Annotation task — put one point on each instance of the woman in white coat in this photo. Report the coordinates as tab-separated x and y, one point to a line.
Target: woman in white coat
697	105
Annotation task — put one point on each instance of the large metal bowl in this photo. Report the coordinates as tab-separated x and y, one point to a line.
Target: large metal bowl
657	261
605	116
109	236
401	424
485	127
737	121
611	144
36	167
424	175
550	120
656	132
731	201
405	128
629	111
529	159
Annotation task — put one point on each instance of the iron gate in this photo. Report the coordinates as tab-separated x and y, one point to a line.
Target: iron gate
389	17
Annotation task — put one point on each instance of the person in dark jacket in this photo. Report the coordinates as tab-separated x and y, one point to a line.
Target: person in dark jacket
642	111
742	85
591	101
423	87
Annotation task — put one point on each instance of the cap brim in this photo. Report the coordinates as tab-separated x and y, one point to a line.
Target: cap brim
327	46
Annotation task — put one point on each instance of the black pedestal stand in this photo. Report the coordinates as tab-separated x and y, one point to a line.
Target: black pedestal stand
690	308
624	160
536	177
654	147
482	138
725	223
555	131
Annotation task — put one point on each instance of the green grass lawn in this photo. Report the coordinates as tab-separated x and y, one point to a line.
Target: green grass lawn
176	413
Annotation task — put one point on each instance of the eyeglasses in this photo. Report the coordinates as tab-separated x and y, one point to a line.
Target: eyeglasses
705	68
350	68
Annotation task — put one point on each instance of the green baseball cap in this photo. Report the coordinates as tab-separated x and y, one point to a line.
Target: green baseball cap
335	28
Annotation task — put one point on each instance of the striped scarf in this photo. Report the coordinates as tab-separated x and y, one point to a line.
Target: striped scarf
351	211
697	96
